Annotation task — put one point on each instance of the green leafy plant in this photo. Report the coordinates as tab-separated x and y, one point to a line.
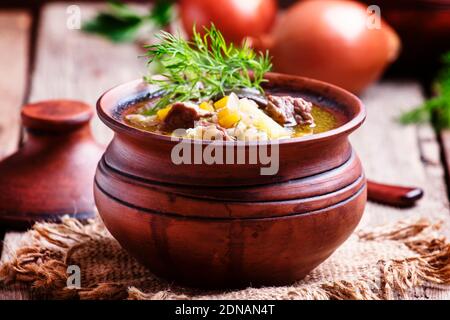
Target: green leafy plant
438	107
205	67
121	23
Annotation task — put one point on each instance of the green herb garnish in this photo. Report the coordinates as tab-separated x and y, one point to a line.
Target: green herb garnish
205	67
438	107
121	23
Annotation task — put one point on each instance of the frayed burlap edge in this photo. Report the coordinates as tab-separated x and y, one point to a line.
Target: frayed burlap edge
43	263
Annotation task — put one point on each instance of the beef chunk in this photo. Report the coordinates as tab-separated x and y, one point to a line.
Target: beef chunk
182	116
289	111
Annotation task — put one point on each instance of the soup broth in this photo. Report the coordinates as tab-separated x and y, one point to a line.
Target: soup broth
325	120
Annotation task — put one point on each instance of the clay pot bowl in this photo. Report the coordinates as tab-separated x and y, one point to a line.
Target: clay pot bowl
298	157
226	225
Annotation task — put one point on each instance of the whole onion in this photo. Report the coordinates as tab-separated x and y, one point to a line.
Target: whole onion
330	40
236	19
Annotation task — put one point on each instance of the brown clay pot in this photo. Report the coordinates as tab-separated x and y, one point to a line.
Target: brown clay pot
226	225
51	174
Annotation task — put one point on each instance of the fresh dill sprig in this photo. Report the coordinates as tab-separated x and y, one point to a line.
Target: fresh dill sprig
438	107
204	67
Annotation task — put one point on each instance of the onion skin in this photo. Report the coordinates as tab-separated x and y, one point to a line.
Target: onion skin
329	40
236	19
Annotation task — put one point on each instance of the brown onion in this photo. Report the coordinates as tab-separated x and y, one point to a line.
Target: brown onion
329	40
236	19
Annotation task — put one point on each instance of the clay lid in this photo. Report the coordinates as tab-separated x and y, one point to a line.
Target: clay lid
56	115
52	173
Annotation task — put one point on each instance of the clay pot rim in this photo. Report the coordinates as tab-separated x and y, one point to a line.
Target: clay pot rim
312	85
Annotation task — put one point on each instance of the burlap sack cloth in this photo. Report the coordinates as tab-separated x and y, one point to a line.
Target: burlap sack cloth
398	261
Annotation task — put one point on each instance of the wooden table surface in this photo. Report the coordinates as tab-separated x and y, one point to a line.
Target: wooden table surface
66	63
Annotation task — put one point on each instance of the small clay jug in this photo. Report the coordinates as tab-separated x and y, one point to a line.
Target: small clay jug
51	175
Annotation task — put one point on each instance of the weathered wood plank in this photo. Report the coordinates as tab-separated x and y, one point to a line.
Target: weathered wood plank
407	155
14	47
397	154
71	64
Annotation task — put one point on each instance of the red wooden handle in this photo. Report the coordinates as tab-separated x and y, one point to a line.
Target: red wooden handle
393	195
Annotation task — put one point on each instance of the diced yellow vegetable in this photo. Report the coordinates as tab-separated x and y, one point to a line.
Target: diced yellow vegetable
221	103
206	106
162	113
230	121
223	113
228	118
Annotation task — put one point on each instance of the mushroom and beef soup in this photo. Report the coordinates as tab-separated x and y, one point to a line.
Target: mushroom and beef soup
235	117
